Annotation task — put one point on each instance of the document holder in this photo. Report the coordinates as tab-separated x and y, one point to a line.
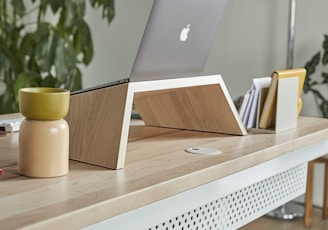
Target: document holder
99	120
286	106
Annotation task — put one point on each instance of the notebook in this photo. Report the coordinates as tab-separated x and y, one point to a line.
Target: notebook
176	41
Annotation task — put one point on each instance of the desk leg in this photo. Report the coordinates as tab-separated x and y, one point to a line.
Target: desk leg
309	196
325	197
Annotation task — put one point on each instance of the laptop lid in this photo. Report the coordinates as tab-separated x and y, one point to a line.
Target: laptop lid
177	39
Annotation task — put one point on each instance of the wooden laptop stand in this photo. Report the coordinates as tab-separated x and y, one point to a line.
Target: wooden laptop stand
99	120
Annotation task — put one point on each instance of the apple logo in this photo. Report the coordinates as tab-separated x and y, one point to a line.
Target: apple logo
184	33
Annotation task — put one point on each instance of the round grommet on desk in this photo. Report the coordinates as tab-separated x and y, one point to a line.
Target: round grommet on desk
203	151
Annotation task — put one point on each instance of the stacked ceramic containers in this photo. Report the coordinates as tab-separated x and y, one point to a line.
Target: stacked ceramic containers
44	134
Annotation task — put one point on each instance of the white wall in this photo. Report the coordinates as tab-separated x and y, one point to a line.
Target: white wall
251	42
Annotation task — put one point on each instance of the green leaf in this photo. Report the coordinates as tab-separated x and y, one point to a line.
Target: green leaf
324	75
65	59
325	52
45	49
11	34
18	7
311	65
8	103
324	108
49	81
325	41
74	80
23	80
55	5
108	8
72	13
5	57
27	45
83	42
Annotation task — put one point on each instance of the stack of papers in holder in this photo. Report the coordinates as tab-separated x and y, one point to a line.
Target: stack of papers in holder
247	105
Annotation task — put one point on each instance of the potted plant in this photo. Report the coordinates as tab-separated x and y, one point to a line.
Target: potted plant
318	86
43	43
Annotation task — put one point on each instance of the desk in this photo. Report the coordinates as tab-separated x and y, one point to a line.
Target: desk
162	185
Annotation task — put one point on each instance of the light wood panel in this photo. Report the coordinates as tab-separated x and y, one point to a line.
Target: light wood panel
96	119
196	103
309	196
309	191
156	167
202	108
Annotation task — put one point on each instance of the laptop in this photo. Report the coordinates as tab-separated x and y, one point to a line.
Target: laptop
176	41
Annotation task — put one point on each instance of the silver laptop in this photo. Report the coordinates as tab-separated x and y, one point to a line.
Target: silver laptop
176	41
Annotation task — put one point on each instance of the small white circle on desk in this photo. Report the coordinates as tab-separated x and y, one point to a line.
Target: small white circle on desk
202	150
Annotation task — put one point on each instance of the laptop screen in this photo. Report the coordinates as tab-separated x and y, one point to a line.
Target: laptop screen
177	39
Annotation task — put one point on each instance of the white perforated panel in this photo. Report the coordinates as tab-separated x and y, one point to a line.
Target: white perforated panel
238	208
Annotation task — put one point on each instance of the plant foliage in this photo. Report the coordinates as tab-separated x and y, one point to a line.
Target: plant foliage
314	85
36	51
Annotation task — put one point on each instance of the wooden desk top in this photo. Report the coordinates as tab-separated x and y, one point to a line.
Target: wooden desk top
156	167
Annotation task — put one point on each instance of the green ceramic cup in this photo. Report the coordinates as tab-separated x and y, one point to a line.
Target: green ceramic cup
44	104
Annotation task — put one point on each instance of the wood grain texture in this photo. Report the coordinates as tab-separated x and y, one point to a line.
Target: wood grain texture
95	119
309	196
325	196
309	191
156	167
202	108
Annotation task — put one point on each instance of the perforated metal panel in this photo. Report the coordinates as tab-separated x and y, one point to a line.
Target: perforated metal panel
238	208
